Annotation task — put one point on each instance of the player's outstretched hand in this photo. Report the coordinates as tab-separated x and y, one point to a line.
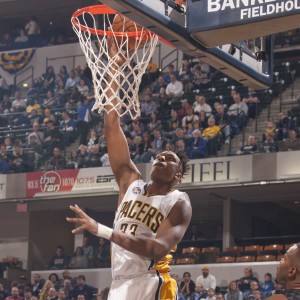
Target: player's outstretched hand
87	223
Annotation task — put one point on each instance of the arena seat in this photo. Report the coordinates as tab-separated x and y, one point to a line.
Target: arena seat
253	250
273	249
193	250
210	250
236	249
226	259
245	258
287	246
265	257
186	260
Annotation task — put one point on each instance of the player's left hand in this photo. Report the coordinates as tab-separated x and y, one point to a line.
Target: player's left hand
87	223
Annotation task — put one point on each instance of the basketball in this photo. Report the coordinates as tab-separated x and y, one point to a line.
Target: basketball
123	24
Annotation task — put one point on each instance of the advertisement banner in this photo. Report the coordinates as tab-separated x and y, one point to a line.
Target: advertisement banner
43	183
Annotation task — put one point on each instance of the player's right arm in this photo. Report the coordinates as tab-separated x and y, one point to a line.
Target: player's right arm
123	168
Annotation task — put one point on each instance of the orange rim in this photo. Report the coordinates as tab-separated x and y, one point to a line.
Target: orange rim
101	10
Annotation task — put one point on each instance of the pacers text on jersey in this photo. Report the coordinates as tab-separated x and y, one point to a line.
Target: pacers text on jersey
142	212
253	8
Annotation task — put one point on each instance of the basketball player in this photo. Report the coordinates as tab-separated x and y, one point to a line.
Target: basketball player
150	221
288	275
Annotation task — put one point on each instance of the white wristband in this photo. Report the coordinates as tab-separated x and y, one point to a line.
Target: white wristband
104	231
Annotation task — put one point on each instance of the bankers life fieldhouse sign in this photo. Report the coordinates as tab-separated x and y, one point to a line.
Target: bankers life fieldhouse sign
271	16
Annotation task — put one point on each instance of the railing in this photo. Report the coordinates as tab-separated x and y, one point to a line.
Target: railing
31	76
175	60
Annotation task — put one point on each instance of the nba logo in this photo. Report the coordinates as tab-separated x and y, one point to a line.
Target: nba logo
136	190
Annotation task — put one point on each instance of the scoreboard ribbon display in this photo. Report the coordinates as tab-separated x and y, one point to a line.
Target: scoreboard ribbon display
245	18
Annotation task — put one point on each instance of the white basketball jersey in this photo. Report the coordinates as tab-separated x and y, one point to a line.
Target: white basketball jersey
140	215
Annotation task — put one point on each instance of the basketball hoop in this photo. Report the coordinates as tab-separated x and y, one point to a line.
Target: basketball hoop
136	45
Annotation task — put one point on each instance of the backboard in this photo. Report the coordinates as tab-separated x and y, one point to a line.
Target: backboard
169	20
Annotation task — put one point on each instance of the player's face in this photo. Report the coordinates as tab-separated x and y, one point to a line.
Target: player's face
165	167
285	266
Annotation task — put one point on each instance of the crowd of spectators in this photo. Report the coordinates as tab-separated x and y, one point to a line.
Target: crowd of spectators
54	288
245	288
174	111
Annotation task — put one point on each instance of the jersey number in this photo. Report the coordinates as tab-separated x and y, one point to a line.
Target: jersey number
132	228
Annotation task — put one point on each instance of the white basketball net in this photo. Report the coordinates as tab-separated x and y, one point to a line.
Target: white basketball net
99	61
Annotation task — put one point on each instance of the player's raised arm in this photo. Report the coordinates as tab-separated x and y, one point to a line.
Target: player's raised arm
168	235
123	168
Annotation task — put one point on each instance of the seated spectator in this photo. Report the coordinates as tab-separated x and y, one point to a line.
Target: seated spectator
4	88
52	294
212	135
179	135
201	105
186	78
87	249
199	293
4	169
6	104
78	260
63	73
196	126
171	72
33	117
203	120
154	123
75	98
187	286
164	107
81	288
49	75
8	145
142	154
57	161
250	148
269	145
94	157
207	280
267	286
157	88
211	294
22	38
37	133
102	254
32	105
83	88
269	129
37	285
252	101
174	88
180	144
205	68
200	79
244	282
283	125
14	294
45	291
83	117
34	151
292	143
182	111
19	118
72	81
222	120
136	133
188	120
53	277
19	102
6	42
148	107
197	146
233	292
49	102
33	32
173	123
59	260
238	111
18	160
67	128
72	162
157	144
62	294
53	138
83	160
